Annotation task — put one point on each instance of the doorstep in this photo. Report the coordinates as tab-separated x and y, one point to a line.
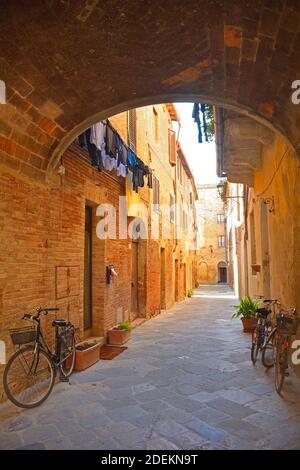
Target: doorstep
138	322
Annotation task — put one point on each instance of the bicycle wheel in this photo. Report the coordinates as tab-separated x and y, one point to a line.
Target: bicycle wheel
28	377
268	352
254	347
67	356
280	364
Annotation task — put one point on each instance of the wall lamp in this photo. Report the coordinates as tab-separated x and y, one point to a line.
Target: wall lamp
270	202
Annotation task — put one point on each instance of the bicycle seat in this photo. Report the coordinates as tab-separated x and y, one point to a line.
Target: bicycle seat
263	312
59	323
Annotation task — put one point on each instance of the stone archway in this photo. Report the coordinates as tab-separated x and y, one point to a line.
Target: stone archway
222	272
68	64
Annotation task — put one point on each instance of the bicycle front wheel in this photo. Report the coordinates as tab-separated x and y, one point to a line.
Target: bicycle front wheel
254	347
281	364
268	352
28	377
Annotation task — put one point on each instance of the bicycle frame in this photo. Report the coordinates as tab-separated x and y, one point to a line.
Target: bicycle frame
42	344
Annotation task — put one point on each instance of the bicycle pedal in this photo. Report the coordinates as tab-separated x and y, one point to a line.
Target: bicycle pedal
63	379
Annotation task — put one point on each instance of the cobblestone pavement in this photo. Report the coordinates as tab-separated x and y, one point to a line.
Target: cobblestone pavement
185	382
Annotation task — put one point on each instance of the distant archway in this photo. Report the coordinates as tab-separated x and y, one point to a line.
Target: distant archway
222	272
203	272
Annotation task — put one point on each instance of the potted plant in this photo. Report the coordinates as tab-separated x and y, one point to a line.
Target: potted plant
190	293
246	311
87	354
119	334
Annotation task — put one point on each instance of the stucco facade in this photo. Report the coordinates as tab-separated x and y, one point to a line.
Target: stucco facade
212	260
266	241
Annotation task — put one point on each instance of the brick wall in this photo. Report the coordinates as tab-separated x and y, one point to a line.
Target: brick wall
42	242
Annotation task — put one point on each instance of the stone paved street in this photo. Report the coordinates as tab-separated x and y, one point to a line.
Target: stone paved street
185	382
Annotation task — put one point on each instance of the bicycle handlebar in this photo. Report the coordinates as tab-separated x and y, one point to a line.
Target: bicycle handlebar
46	310
285	310
40	311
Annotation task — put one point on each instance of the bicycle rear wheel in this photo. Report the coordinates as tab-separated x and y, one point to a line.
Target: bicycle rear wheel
28	377
281	363
68	356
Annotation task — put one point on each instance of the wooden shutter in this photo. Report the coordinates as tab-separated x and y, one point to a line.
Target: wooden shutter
172	148
132	129
155	190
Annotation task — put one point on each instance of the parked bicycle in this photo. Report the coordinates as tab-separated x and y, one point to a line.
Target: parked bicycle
268	349
263	328
287	325
29	375
260	332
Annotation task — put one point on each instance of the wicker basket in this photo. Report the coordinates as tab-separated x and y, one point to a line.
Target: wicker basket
287	325
23	335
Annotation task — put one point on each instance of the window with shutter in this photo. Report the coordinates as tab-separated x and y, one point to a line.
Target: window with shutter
156	193
172	147
132	129
221	241
172	209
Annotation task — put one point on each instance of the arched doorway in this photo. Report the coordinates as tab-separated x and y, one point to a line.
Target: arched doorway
203	272
222	272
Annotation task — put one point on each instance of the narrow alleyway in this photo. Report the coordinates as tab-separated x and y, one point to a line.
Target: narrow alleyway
185	382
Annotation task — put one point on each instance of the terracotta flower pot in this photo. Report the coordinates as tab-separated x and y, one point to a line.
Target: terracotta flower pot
249	324
88	356
117	337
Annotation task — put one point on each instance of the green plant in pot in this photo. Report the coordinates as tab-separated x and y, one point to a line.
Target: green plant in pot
246	311
119	334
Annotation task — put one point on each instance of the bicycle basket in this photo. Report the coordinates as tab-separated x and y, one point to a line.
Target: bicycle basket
287	325
22	335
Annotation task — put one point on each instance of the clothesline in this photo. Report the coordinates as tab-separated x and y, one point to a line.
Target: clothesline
108	151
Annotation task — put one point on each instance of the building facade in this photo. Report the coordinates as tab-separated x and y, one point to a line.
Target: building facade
51	251
264	220
212	256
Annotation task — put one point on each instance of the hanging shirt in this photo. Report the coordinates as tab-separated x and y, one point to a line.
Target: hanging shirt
98	133
131	158
109	141
121	170
109	163
94	153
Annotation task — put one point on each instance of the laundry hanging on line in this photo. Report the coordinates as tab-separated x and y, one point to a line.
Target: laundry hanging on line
108	151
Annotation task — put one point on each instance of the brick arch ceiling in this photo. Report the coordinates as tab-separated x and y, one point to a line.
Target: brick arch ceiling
67	64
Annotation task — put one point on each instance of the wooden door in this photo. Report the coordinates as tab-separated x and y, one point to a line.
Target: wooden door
134	279
176	280
162	278
88	269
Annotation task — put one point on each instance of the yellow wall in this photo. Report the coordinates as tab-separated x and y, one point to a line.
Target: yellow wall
209	254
